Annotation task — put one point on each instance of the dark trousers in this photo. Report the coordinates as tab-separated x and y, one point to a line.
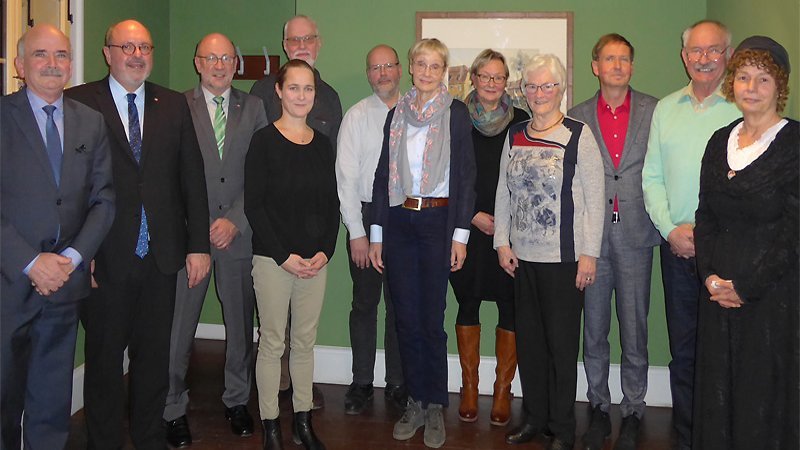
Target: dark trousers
367	286
681	296
37	347
133	312
548	318
417	257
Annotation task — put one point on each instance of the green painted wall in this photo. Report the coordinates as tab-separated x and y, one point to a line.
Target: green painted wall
777	19
351	28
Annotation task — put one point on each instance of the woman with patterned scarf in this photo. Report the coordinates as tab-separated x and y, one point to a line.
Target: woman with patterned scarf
423	202
482	278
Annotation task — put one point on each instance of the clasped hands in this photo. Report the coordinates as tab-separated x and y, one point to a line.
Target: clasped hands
722	292
49	272
304	268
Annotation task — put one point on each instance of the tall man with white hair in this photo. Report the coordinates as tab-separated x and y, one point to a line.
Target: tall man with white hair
682	124
301	40
58	205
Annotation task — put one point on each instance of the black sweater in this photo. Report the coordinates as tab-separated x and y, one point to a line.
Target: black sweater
290	196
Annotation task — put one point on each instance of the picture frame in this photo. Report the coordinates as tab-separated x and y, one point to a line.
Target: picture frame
517	35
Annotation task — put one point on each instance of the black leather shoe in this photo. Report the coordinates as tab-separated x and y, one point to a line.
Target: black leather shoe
522	434
272	434
303	432
628	433
317	399
357	397
240	419
598	431
558	444
397	394
178	434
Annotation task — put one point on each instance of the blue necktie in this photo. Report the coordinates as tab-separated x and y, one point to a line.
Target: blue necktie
53	144
135	139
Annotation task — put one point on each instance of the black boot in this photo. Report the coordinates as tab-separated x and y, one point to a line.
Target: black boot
272	434
303	432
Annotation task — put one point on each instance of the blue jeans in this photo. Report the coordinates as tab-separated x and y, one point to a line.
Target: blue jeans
681	295
417	257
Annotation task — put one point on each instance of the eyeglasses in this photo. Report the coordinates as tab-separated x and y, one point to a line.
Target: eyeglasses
546	88
498	79
129	48
212	59
435	69
712	53
388	66
297	40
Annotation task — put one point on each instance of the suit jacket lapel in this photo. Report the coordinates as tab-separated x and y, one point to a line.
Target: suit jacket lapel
594	124
27	123
108	108
234	118
151	121
71	142
204	128
634	122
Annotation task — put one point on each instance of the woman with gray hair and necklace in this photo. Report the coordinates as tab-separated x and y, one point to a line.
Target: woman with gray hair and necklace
548	230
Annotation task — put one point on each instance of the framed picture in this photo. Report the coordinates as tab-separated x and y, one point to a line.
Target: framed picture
517	35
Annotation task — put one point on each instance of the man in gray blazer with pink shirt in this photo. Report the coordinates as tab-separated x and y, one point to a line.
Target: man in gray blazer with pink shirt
620	118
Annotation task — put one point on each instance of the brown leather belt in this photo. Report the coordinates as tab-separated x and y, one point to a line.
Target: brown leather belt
420	203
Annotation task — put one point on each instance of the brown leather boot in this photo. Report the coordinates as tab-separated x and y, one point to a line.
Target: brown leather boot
469	339
506	352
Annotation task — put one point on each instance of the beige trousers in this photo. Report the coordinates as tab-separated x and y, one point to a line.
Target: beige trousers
278	292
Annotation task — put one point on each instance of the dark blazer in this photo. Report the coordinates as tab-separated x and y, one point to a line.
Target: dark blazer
462	172
225	177
169	181
325	115
625	181
38	216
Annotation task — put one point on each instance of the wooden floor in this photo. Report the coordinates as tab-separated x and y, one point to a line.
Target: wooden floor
371	430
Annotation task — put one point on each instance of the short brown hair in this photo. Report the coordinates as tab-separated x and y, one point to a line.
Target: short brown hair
294	63
608	39
762	60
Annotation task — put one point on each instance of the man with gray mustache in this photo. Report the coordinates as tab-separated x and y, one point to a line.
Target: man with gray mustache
682	124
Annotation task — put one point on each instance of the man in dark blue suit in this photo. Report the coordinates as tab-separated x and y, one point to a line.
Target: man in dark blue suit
160	226
58	205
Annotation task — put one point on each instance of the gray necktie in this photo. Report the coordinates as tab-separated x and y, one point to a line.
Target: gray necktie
53	144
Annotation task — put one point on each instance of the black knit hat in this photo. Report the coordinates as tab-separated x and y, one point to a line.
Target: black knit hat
778	53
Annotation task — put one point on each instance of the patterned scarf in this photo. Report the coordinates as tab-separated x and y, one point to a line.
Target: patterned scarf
490	123
435	156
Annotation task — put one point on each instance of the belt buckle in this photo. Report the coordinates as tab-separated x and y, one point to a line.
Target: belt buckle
414	208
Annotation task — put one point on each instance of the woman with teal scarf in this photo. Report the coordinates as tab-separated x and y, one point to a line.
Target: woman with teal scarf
482	278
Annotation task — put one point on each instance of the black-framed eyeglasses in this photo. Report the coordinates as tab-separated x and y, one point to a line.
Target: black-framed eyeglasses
388	66
212	59
296	40
499	79
129	48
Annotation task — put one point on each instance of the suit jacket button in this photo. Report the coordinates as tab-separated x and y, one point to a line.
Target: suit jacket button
611	201
222	180
58	202
220	207
616	177
52	242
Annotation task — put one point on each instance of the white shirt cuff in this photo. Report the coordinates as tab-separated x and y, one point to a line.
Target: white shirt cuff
461	235
376	233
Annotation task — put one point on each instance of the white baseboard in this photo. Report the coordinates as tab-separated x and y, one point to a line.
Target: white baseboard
333	365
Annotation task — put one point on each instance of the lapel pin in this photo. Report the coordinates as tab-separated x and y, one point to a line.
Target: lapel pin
81	149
